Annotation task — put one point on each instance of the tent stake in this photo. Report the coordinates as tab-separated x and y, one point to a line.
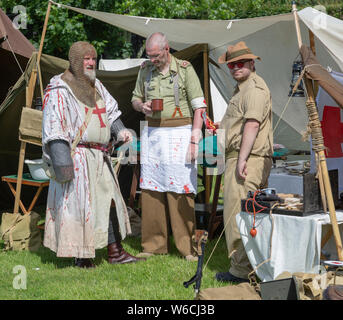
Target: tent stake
320	153
29	97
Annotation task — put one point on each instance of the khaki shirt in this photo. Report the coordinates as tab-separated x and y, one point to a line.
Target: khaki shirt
191	95
251	100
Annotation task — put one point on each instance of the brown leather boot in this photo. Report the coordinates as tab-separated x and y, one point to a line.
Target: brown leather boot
84	263
117	254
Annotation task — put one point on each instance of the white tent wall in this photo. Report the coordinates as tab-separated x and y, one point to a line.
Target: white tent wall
119	64
327	29
273	38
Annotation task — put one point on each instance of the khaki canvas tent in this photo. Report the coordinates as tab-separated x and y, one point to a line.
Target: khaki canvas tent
15	52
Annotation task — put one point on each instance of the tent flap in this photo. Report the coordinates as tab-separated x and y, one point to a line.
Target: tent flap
316	72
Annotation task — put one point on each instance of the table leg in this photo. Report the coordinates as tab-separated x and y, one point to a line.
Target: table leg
34	200
20	202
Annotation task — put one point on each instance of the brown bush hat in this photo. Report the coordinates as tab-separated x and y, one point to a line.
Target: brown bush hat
239	51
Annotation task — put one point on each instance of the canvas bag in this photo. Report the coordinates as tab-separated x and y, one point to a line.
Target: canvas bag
20	232
242	291
30	128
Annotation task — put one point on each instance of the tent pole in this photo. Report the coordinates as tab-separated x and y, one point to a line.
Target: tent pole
313	49
315	123
29	97
206	93
44	31
320	176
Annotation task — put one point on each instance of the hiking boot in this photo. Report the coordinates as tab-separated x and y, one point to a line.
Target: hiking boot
229	277
117	254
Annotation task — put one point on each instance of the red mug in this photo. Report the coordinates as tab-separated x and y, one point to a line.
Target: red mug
157	105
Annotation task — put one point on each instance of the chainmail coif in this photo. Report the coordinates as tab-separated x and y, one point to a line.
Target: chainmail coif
81	85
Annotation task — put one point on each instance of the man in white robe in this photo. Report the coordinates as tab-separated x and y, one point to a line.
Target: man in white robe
79	215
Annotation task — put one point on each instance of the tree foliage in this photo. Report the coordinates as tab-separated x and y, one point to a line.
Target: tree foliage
66	27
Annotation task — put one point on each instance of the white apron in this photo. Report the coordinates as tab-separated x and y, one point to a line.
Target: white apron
163	160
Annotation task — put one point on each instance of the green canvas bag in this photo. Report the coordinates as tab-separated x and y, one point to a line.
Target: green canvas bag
20	231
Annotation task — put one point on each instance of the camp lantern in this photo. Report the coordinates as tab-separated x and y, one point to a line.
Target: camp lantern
296	72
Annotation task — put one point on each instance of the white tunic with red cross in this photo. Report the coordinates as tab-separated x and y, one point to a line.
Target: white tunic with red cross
78	211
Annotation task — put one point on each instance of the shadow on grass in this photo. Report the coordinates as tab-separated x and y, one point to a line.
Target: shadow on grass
130	244
216	261
49	257
218	258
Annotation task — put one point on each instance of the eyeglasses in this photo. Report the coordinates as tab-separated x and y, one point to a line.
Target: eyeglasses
155	56
239	64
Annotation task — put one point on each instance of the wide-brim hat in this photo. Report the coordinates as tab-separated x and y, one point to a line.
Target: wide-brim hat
236	52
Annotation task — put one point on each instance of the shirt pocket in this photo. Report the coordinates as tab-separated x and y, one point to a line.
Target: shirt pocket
168	89
152	91
233	109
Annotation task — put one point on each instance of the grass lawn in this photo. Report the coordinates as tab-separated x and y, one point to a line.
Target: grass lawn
159	278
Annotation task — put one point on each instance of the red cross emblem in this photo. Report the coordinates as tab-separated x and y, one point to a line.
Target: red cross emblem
332	129
98	112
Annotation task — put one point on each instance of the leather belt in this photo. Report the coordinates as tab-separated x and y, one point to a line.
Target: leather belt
169	122
94	145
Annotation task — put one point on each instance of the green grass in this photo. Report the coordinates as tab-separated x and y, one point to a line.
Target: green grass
159	278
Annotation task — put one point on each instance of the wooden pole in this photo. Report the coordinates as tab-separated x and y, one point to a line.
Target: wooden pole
313	49
321	154
30	88
320	175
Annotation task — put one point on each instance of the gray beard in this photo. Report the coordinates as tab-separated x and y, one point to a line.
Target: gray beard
90	74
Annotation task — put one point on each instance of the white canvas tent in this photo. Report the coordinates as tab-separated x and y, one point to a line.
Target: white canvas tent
273	38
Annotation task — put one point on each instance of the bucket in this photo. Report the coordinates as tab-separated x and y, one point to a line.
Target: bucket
36	169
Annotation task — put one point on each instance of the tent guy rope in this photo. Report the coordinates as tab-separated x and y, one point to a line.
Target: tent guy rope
15	57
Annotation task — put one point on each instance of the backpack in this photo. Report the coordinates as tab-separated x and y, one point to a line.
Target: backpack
20	231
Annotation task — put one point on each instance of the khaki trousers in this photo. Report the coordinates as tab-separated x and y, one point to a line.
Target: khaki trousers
235	190
158	208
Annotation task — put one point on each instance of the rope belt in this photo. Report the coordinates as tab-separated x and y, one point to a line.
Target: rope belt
94	145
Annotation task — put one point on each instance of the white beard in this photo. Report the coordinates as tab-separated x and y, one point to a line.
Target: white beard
90	74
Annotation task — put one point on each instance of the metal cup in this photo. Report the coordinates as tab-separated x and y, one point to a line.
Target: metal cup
157	105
